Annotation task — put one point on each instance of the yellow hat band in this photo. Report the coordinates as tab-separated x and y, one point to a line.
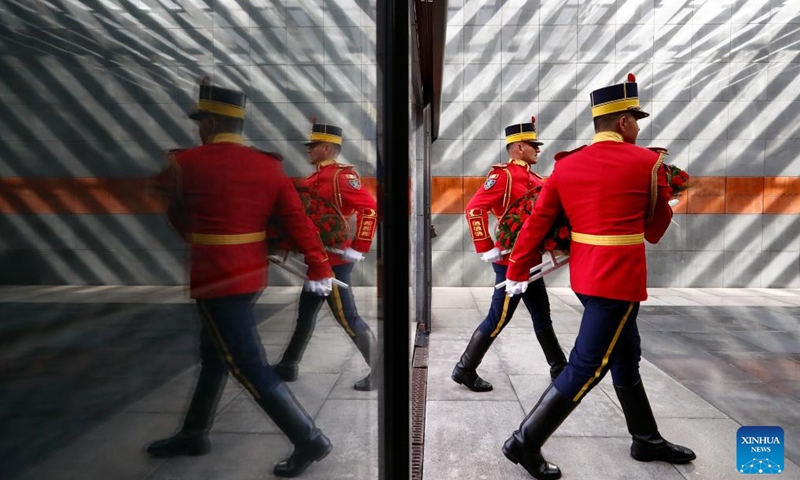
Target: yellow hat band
615	106
219	108
326	137
521	137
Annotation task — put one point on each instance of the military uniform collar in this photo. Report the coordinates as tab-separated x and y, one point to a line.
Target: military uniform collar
325	163
228	138
607	137
521	163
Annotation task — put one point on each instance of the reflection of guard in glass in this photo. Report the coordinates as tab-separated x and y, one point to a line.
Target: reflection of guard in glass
341	185
221	197
608	272
506	183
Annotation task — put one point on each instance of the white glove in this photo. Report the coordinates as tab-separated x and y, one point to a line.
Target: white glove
493	255
351	255
322	287
515	288
673	202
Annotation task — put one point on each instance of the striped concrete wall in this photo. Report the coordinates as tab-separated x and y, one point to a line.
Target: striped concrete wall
94	91
720	79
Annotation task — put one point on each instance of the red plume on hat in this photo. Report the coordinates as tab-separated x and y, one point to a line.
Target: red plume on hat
631	78
313	120
533	120
206	80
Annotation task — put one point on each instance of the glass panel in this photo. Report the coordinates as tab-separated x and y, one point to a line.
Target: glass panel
141	309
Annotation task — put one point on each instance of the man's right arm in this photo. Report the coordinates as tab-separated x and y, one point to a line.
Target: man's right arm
479	206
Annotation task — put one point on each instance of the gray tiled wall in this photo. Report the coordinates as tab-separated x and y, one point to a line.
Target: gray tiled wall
719	77
100	89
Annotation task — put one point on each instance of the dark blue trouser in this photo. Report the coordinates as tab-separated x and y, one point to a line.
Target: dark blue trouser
608	339
229	342
341	301
503	306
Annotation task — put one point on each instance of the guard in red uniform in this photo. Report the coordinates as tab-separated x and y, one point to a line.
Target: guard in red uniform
505	184
221	197
341	185
615	195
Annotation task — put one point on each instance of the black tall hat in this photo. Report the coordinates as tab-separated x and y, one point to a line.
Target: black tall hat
618	98
322	132
522	132
220	101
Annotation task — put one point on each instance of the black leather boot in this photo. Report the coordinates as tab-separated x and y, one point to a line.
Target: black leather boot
289	365
286	371
182	443
465	372
310	444
192	439
303	456
648	445
368	346
525	445
552	351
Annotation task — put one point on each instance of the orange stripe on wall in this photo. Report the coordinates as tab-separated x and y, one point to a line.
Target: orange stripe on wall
447	194
781	195
753	195
77	195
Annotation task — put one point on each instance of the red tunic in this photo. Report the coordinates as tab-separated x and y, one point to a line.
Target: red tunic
341	185
222	196
505	183
613	194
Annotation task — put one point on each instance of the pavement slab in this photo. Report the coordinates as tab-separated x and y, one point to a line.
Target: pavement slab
124	361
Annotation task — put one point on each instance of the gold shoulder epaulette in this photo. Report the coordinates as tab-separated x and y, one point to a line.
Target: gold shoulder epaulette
658	150
560	155
500	165
344	165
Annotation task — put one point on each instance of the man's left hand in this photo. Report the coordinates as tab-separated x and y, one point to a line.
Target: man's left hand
515	288
493	255
352	255
322	287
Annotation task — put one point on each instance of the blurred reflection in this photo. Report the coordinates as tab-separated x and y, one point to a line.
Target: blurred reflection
221	197
339	193
99	342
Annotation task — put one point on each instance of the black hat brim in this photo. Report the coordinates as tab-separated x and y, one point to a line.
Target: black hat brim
639	114
529	142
